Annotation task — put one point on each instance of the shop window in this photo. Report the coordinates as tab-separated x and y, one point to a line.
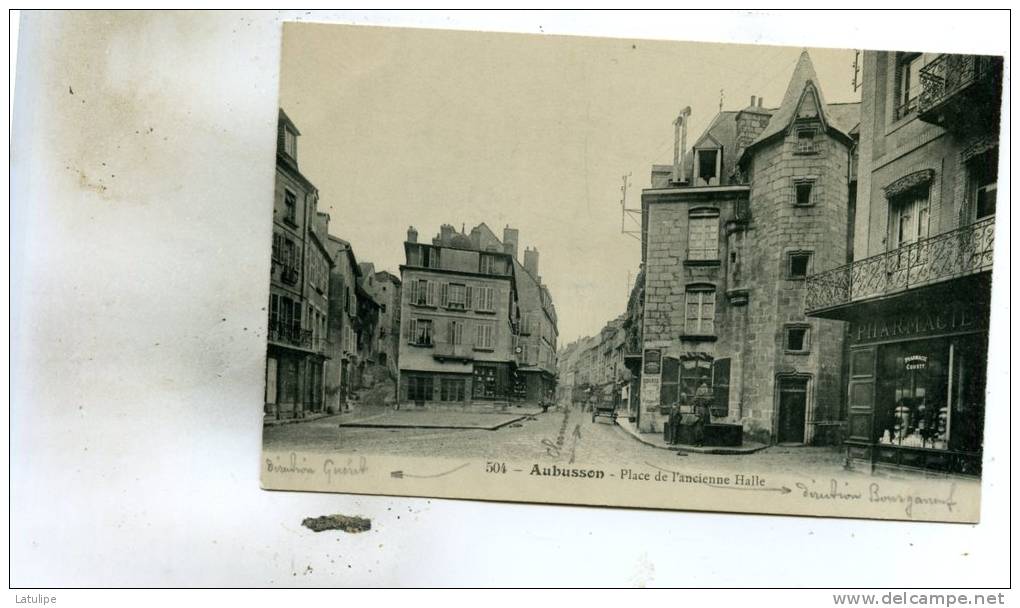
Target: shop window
798	264
703	235
796	339
419	388
912	409
451	389
700	316
803	192
982	173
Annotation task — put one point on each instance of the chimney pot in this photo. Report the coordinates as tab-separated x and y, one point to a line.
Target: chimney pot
753	100
760	101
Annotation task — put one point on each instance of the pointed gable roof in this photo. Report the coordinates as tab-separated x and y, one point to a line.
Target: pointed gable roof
804	89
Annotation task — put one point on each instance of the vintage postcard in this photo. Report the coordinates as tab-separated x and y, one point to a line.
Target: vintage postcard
631	273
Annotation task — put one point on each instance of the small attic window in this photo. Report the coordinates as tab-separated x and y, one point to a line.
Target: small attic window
707	164
806	143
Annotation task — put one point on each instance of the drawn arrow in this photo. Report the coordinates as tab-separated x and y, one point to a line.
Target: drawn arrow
401	474
783	489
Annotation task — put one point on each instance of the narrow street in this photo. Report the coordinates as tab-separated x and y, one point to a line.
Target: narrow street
554	437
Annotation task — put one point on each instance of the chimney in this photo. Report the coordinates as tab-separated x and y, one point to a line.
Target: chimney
751	121
446	232
761	100
680	144
510	236
412	235
531	261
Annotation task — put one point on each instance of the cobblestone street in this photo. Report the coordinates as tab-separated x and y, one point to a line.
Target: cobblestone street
554	437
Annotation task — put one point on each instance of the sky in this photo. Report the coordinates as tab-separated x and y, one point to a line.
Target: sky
403	127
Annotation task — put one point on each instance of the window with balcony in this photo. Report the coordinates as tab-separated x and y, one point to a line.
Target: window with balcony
700	316
456	333
982	174
908	86
909	211
703	235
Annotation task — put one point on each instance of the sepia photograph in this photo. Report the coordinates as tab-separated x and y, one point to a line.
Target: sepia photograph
710	300
632	273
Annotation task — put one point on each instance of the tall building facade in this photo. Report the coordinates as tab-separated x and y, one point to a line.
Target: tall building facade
387	293
536	350
460	320
916	297
298	288
729	235
342	365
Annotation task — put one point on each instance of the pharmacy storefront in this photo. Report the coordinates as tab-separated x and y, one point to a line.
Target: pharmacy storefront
916	384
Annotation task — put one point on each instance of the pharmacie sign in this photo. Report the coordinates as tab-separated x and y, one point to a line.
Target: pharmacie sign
957	319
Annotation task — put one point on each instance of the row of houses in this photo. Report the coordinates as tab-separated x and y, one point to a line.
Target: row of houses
480	326
825	269
334	323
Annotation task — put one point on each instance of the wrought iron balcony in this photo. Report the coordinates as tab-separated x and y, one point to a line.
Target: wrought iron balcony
289	275
955	87
950	255
293	336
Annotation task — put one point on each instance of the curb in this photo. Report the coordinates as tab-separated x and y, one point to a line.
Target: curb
369	425
718	451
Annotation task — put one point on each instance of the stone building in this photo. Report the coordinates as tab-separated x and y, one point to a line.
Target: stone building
729	235
536	352
387	293
298	288
916	296
342	365
460	320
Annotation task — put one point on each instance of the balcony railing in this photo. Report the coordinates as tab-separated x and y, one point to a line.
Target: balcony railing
950	74
289	275
295	336
444	350
949	255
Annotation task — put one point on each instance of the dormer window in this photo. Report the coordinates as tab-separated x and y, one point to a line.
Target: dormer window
707	167
290	143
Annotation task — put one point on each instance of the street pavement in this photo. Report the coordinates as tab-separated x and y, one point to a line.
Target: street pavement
558	436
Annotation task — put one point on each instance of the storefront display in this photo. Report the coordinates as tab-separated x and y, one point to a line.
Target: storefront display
916	390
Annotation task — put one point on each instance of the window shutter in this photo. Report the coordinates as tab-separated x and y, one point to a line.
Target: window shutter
274	309
297	317
444	294
412	330
430	296
467	297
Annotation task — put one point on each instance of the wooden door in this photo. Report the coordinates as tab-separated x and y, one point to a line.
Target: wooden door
792	410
